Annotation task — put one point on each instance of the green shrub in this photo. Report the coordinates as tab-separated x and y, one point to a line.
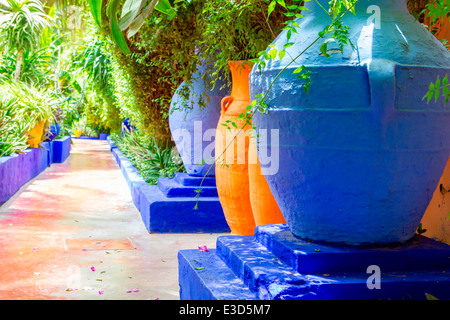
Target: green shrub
152	159
21	107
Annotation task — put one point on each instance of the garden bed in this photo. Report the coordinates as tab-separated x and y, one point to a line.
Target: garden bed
19	169
103	136
168	207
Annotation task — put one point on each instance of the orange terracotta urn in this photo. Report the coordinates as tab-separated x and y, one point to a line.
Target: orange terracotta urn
232	153
264	206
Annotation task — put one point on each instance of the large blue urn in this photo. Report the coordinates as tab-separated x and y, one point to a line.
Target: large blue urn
193	117
362	152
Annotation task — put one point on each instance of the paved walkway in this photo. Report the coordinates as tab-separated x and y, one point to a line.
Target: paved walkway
74	233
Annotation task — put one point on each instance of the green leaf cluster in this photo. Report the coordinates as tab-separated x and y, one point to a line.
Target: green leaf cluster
152	159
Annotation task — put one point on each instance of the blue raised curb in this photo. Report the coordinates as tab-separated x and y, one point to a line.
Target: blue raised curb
169	206
267	264
111	143
131	175
61	149
17	170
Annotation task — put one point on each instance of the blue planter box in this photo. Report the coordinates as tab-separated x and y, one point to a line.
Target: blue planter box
17	170
61	149
169	206
112	144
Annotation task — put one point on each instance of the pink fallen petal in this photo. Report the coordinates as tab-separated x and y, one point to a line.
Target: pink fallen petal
134	290
101	292
203	249
93	268
35	248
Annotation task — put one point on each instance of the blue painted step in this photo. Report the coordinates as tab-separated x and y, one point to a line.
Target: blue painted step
260	269
162	214
199	281
189	181
268	276
171	188
313	258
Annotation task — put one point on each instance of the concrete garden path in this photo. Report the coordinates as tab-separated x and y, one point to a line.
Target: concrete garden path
74	233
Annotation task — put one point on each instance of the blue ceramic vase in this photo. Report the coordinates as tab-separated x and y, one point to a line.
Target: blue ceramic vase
193	118
362	152
53	131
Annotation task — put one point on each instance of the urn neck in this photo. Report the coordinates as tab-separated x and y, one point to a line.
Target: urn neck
240	72
362	6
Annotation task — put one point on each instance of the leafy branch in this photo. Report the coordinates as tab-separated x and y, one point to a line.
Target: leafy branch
132	17
436	10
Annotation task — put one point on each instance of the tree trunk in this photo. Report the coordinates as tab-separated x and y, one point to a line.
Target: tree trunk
19	60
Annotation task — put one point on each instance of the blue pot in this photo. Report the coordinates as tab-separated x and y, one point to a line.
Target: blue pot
362	153
127	127
193	121
53	131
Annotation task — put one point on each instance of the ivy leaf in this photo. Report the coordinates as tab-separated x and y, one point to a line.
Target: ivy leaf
273	53
272	6
199	268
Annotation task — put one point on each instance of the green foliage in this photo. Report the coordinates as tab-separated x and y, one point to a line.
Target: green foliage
133	16
438	89
36	67
240	30
438	9
14	126
21	107
21	24
94	60
153	160
163	55
35	103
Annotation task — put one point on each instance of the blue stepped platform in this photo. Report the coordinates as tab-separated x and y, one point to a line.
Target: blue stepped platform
274	265
169	207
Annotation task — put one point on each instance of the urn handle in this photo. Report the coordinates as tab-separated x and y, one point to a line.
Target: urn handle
382	88
226	103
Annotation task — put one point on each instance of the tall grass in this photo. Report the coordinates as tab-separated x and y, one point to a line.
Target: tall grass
153	160
21	107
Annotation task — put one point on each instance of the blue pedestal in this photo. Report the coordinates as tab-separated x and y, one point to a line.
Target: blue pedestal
169	206
275	265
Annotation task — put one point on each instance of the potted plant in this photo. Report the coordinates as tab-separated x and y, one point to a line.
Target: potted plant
37	108
363	152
